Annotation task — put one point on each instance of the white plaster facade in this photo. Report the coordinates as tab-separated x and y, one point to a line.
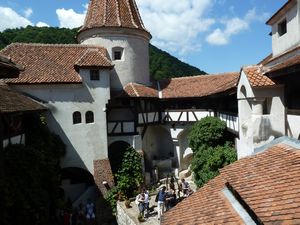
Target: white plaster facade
261	115
134	64
85	142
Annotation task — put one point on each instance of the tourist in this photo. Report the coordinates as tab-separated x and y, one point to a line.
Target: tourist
185	187
170	199
161	201
90	212
140	201
146	202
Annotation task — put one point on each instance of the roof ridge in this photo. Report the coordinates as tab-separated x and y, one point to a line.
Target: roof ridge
135	91
204	75
118	13
57	45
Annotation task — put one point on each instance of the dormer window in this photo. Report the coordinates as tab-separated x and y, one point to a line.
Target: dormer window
117	53
94	75
282	27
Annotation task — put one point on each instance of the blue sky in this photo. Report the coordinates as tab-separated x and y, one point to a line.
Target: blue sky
214	35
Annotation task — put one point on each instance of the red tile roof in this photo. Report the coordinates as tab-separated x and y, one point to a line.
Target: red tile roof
268	182
198	86
44	63
139	90
256	77
12	101
113	13
94	58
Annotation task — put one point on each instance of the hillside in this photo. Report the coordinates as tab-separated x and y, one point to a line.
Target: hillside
162	64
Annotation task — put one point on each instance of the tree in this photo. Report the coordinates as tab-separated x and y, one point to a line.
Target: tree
30	179
211	148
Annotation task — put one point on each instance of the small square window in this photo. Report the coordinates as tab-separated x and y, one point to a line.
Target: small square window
94	75
282	28
117	55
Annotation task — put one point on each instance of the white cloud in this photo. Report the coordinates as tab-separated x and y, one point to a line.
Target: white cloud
28	12
42	24
69	18
175	25
234	26
11	19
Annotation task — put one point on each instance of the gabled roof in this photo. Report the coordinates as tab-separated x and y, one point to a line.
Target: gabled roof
281	12
45	63
256	77
269	183
9	68
113	13
198	86
12	101
138	90
94	58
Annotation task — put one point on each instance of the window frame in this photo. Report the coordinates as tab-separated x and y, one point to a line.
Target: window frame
89	115
282	27
120	51
77	119
94	75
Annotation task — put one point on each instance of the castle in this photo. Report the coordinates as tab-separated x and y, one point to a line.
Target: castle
100	98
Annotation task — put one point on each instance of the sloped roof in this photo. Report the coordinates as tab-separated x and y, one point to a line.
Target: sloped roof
139	90
45	63
281	12
256	77
198	86
12	101
9	68
295	60
113	13
268	182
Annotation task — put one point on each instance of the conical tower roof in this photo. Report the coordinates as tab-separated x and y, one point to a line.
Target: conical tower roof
113	13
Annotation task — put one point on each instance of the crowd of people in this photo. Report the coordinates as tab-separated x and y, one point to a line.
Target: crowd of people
82	215
165	198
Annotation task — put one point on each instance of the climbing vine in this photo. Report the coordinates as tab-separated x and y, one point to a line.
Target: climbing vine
30	180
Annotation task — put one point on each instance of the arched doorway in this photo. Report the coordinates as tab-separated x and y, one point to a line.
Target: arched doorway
116	152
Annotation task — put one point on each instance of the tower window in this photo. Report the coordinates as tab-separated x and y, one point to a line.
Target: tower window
282	27
94	75
76	117
117	53
89	117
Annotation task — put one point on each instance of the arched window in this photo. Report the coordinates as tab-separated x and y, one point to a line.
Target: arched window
76	117
89	117
117	53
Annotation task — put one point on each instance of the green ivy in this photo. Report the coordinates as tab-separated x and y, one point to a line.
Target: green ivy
30	180
129	177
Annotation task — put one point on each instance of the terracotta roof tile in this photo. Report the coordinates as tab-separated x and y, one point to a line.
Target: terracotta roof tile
256	77
113	13
44	63
198	86
268	182
139	90
12	101
94	58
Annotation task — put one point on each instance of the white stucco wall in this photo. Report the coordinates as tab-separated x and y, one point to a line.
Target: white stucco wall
85	142
291	38
293	128
255	128
134	66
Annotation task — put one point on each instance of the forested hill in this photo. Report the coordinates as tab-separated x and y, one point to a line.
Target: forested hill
162	64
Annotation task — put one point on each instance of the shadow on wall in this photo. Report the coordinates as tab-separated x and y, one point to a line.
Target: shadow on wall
72	158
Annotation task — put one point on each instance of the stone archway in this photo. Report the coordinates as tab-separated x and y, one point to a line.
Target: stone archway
116	152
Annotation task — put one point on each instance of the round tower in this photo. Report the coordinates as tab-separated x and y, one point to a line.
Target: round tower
117	26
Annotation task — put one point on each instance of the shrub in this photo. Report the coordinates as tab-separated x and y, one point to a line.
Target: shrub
209	131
